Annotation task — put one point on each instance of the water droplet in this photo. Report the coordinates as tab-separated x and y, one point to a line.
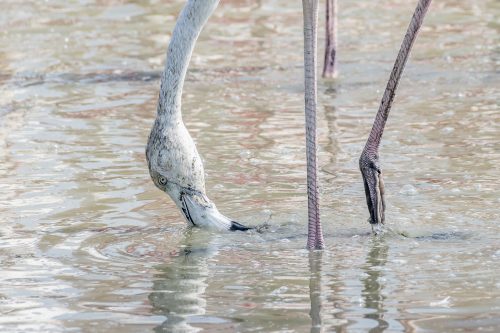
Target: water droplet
254	161
446	130
442	303
245	154
278	291
408	189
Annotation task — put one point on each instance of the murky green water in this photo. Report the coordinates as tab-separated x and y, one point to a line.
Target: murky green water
88	244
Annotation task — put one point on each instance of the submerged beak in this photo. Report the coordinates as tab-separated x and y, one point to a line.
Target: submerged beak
374	191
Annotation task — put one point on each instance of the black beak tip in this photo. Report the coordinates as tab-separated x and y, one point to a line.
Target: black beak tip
235	226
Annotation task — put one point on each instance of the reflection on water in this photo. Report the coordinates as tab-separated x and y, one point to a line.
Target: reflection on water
87	244
373	285
315	293
178	290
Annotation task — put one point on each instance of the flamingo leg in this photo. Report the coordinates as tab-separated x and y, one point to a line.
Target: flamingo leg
315	233
330	63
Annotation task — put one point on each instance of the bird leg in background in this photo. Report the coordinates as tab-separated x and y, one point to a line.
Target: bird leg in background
315	233
369	159
330	63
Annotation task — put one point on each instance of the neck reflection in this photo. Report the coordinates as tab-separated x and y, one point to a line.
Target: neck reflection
373	285
180	286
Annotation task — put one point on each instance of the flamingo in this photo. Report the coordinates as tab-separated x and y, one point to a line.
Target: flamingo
369	160
173	160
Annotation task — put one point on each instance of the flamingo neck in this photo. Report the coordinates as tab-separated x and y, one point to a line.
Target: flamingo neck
191	20
373	142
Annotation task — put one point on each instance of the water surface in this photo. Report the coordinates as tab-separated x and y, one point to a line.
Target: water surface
88	244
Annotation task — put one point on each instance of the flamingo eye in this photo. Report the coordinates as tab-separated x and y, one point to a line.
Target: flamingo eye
162	180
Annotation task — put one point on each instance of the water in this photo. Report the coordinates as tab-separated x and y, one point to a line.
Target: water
88	244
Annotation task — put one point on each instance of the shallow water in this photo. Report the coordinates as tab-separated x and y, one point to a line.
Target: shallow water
87	244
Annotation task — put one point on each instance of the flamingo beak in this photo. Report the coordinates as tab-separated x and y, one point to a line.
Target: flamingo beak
374	191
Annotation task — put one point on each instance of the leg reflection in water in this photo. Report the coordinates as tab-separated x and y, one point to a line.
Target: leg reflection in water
315	258
327	312
372	285
180	286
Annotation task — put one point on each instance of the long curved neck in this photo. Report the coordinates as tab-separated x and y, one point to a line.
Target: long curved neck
373	141
187	29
